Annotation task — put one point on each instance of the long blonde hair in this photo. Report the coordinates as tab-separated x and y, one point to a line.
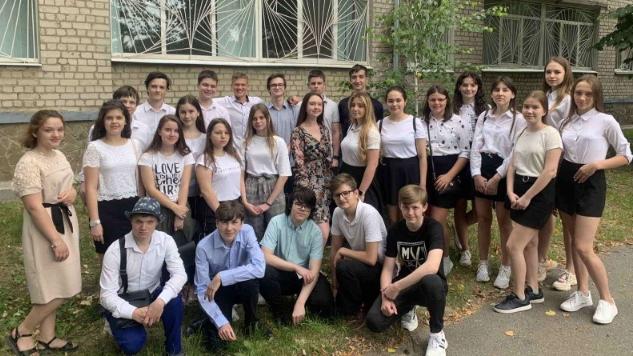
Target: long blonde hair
367	122
568	80
270	130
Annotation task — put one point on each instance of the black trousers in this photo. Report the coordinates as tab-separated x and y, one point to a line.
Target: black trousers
244	293
429	292
277	283
358	284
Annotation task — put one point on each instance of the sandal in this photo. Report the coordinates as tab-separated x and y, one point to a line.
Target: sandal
68	346
12	340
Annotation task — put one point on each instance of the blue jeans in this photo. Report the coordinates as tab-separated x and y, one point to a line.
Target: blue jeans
131	340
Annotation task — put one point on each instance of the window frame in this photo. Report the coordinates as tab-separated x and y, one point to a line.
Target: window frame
259	59
544	20
34	61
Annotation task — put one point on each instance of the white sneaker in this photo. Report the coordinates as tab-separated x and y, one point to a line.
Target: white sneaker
542	272
261	300
503	278
409	320
482	272
565	281
576	301
605	312
448	265
437	344
234	314
464	258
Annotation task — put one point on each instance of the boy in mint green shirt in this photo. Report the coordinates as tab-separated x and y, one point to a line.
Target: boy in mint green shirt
293	248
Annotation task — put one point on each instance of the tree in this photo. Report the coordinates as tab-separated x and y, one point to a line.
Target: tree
622	37
418	32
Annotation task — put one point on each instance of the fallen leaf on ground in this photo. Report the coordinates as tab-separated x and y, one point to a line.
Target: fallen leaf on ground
550	313
509	333
391	350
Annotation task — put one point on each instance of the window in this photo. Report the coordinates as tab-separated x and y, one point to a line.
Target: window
622	56
18	41
273	31
533	32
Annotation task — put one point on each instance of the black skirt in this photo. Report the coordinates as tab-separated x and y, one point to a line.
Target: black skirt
541	206
373	195
586	199
113	220
395	173
489	164
442	165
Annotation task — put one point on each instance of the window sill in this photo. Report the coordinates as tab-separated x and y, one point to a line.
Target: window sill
623	71
20	64
530	70
232	62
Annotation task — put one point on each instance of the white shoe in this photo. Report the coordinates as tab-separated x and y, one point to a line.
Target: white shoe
234	313
576	301
565	281
605	312
409	320
464	258
503	278
437	344
448	265
482	272
261	300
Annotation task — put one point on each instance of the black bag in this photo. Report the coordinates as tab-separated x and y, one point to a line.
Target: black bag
455	185
139	298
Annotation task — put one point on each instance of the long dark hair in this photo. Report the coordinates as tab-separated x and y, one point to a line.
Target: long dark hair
181	145
596	91
99	130
513	102
436	89
229	148
193	101
480	101
303	112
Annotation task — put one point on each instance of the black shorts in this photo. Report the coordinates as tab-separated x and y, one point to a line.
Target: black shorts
538	212
443	164
489	164
586	199
468	185
113	220
395	173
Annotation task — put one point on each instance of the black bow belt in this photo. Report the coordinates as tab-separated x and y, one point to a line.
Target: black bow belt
60	211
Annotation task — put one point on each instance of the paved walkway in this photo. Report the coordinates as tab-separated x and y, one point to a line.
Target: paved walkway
535	333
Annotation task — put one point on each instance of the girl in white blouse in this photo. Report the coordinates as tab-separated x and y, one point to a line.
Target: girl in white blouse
468	103
219	171
449	146
581	189
111	173
189	112
267	166
361	149
495	134
403	142
557	83
166	169
531	192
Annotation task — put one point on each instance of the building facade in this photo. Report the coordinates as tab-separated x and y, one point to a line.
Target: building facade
71	54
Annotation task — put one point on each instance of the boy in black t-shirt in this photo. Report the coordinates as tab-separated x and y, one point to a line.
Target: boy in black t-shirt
414	248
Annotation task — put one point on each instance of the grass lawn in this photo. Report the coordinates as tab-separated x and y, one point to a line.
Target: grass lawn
79	319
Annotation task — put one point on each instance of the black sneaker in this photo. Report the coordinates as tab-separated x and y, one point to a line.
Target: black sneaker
535	298
513	304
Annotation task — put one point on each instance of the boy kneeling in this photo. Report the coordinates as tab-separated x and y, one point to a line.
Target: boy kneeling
229	264
416	245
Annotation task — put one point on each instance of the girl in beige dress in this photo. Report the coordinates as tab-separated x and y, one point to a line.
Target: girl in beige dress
50	233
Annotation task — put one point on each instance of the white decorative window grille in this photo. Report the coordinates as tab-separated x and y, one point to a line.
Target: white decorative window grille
533	32
275	31
18	31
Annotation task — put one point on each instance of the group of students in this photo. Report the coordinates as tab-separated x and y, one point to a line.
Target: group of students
230	174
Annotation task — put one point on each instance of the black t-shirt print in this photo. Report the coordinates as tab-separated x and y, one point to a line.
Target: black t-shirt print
411	248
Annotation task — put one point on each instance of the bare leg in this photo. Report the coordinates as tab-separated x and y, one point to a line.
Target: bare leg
47	331
544	238
505	227
441	214
584	235
569	248
582	276
531	262
484	222
35	318
461	222
517	242
392	212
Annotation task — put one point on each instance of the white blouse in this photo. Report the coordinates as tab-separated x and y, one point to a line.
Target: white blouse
226	176
117	168
467	111
497	136
586	138
350	146
450	137
556	115
398	137
259	160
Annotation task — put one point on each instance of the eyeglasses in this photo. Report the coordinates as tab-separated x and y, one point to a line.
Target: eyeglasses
302	206
344	194
277	85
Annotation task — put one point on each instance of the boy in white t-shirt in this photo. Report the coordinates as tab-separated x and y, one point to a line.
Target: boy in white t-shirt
358	236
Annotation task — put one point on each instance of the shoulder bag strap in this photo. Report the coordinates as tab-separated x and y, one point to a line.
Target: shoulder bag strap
428	133
123	264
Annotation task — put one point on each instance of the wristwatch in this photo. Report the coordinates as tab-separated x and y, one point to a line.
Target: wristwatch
94	223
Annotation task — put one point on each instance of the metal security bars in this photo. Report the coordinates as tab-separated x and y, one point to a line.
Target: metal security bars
533	32
18	31
257	31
